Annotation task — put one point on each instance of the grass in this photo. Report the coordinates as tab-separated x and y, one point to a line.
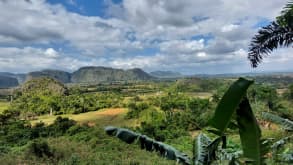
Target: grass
101	149
3	106
109	116
202	95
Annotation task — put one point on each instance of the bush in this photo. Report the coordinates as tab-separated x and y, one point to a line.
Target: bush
40	149
60	126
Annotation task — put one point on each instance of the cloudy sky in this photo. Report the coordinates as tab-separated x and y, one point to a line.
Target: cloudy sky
189	36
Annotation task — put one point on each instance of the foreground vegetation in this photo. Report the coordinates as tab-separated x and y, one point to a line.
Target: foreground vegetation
35	125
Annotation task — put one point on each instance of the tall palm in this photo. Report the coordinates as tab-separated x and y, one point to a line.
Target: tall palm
275	35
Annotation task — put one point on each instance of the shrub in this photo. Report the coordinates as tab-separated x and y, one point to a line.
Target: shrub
40	148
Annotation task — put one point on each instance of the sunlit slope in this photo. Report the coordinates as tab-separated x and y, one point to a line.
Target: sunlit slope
109	116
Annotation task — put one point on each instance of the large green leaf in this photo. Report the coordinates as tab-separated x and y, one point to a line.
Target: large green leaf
282	142
205	149
286	124
200	149
249	132
148	144
229	104
283	157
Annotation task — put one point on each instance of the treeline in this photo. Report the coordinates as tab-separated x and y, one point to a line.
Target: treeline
175	114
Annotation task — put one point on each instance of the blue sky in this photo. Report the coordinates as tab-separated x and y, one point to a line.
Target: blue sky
84	7
202	36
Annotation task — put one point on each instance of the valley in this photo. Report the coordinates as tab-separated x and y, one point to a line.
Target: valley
174	111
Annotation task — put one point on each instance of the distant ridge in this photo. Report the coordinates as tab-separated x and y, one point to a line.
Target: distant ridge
166	74
94	74
7	82
100	74
89	74
59	75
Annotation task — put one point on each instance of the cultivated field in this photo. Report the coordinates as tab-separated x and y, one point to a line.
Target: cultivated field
103	117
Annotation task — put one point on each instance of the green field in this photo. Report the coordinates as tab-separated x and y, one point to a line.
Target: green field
104	117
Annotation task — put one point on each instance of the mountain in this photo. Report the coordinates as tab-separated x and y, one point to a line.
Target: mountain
166	74
59	75
6	81
44	85
20	77
94	74
138	74
90	74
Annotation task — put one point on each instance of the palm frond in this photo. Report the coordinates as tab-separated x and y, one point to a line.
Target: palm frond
148	144
288	7
267	40
286	124
286	17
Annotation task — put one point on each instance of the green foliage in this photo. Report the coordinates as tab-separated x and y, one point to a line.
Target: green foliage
168	117
262	93
286	17
200	149
250	133
195	85
229	104
40	148
14	132
285	156
273	36
45	86
284	123
163	130
148	144
135	108
35	102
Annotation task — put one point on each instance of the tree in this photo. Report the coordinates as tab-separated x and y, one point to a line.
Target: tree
273	36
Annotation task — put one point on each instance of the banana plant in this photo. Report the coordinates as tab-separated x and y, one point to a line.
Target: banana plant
287	125
148	144
207	151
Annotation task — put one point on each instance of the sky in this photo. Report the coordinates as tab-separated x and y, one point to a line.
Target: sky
187	36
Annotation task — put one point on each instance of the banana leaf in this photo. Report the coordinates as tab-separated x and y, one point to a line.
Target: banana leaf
228	105
250	133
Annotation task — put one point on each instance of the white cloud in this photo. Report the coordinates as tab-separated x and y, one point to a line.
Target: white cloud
50	52
201	54
176	29
182	46
228	28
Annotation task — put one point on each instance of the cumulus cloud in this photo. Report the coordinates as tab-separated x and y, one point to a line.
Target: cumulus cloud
182	46
188	36
50	52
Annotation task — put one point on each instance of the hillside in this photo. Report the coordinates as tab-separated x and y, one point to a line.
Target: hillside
6	82
166	74
20	77
43	85
59	75
104	74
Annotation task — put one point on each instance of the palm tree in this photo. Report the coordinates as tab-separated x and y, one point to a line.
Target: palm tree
275	35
